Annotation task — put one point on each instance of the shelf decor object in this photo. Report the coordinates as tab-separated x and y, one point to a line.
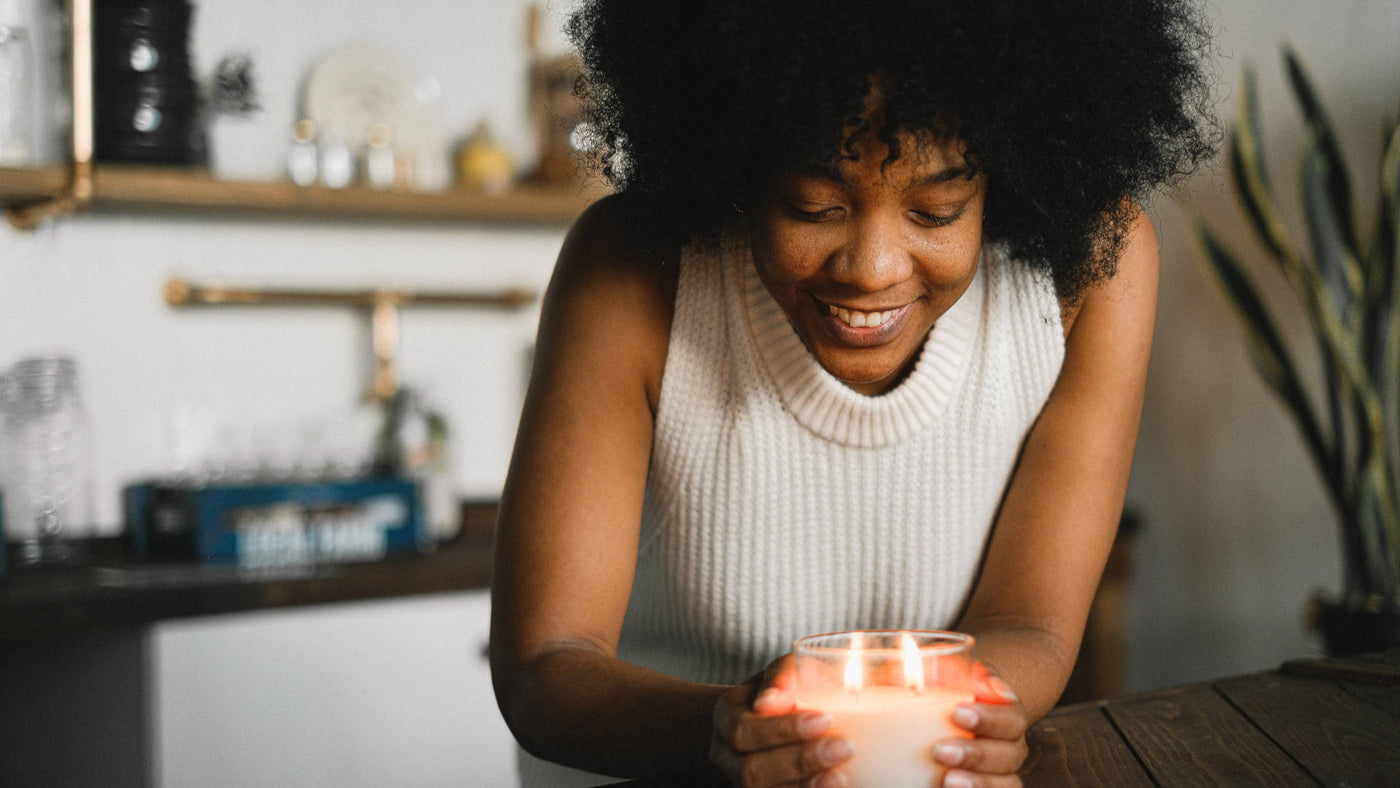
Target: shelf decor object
74	193
31	195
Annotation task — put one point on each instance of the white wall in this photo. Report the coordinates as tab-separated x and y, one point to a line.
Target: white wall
1237	532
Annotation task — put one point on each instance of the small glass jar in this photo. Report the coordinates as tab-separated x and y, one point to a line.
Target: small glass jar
45	462
17	99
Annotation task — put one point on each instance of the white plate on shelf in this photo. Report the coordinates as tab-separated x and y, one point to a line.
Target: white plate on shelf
355	88
352	89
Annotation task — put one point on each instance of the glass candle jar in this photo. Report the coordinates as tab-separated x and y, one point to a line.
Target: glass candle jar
45	461
891	694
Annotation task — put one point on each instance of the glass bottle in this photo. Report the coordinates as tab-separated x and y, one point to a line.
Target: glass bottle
45	461
16	96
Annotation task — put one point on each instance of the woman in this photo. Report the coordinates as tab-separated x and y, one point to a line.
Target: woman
860	342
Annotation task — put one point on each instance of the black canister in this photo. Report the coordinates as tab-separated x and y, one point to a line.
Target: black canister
146	100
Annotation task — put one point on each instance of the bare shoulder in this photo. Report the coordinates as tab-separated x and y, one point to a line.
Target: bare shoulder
612	293
1133	287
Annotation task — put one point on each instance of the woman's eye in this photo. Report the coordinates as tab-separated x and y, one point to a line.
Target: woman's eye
935	219
818	215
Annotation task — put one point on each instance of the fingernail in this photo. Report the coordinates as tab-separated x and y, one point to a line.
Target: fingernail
833	751
813	724
948	754
965	717
957	780
830	780
1004	689
765	697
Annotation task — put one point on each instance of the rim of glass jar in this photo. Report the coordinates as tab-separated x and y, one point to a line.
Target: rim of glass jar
59	366
948	642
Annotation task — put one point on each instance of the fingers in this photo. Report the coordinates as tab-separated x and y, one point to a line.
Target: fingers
773	749
989	688
961	779
998	747
802	762
753	732
776	689
805	764
982	756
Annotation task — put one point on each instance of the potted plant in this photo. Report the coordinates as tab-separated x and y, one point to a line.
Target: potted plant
1351	292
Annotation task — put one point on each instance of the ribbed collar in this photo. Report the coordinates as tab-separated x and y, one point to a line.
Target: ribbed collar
825	405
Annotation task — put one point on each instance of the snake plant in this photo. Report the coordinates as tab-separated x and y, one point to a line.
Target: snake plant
1350	419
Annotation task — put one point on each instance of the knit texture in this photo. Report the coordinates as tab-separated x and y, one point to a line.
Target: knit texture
780	503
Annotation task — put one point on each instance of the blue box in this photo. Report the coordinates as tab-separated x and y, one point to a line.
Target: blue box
277	524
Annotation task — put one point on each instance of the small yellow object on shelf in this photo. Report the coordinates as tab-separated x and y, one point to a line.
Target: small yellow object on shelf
483	164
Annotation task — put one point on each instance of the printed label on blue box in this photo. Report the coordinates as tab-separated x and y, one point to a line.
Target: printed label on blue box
279	524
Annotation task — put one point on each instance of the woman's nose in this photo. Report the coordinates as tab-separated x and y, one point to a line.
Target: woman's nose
874	258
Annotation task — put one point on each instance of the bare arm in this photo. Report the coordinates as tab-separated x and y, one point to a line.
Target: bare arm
566	542
1061	511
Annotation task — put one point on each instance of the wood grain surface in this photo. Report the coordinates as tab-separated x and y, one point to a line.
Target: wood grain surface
1338	737
1193	737
1080	748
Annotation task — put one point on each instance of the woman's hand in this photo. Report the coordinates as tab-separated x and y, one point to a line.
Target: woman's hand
998	724
761	739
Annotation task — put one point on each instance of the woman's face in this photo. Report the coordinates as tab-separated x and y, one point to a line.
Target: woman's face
864	259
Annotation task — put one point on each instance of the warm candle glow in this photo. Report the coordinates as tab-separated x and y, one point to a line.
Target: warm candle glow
892	719
854	676
913	665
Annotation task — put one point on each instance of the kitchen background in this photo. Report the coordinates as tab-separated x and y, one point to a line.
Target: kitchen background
1236	533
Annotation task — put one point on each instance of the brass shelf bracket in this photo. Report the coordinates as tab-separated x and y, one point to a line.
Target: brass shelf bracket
382	307
77	193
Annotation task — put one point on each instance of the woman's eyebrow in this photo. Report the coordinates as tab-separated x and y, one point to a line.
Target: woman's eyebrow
832	172
827	170
945	175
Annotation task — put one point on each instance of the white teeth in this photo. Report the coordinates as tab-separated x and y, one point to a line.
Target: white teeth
861	319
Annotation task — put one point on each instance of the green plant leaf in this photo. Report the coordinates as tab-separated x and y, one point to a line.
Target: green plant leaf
1271	357
1338	181
1364	482
1333	256
1251	176
1386	354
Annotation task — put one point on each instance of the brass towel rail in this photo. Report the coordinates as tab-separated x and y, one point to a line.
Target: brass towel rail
382	306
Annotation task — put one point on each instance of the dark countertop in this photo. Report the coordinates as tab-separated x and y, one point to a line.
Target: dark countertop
110	591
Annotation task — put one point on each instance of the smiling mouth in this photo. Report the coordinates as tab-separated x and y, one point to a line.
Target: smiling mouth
858	319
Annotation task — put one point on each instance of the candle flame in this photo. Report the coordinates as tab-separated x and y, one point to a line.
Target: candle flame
913	665
854	677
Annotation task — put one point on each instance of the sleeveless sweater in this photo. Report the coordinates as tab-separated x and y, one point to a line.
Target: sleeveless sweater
781	503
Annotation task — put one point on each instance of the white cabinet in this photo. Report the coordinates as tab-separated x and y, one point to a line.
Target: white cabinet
393	692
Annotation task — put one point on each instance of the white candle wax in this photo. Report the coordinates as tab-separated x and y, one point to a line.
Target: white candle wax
892	731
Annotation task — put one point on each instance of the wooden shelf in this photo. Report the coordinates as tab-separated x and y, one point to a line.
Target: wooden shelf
176	190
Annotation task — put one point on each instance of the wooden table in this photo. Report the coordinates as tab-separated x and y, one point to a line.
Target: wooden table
1312	722
1308	723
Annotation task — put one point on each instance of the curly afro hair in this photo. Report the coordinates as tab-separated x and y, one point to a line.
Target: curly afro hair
1073	109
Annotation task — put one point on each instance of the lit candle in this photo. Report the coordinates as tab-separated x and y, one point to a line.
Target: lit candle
894	699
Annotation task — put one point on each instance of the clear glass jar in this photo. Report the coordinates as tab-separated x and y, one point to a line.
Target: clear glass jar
45	461
17	110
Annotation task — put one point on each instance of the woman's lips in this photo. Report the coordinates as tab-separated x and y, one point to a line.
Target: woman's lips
860	328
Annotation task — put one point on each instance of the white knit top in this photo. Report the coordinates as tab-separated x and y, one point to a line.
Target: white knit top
781	503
